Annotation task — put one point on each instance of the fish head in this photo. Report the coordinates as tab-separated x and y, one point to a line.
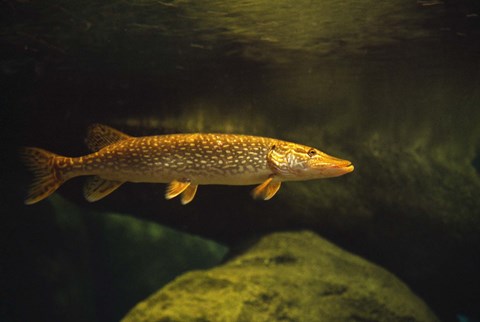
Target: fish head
296	162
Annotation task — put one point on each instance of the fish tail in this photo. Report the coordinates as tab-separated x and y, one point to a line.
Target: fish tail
42	164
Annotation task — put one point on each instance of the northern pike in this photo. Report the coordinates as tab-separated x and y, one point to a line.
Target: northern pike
184	161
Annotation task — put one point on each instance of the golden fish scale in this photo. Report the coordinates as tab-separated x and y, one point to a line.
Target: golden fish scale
201	158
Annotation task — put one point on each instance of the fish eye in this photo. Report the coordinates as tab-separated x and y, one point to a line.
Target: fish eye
311	152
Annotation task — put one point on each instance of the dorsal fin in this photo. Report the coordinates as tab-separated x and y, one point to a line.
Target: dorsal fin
99	136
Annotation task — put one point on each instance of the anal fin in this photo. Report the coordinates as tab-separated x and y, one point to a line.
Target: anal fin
267	189
176	187
96	188
189	193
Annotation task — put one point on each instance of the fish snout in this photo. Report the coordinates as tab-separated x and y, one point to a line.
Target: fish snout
330	166
340	167
345	165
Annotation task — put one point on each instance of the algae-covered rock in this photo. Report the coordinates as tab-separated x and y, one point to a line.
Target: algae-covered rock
292	276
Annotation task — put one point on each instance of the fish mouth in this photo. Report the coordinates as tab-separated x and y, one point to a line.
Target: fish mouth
349	168
336	163
333	168
346	165
332	163
341	169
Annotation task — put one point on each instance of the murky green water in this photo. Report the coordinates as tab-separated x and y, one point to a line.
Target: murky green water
393	87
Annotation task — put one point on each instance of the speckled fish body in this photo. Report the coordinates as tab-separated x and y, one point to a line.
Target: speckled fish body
201	158
184	161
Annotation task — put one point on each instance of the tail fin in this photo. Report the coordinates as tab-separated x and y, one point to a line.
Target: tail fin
41	163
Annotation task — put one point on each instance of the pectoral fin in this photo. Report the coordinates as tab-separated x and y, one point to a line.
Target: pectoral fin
267	189
177	187
189	194
96	188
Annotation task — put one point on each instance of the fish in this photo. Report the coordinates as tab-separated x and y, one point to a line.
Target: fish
183	161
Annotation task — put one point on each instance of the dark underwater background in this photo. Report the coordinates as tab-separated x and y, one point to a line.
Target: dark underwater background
392	86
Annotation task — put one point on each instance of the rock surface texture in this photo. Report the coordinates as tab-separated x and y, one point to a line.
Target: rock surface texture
291	276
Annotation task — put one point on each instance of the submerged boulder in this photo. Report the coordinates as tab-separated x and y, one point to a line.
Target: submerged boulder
290	276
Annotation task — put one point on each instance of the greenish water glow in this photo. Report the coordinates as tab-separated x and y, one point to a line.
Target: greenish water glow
113	261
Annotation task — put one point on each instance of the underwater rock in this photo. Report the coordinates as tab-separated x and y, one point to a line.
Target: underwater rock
289	276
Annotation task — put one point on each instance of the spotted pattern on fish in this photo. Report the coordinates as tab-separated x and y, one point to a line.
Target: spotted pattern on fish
183	160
